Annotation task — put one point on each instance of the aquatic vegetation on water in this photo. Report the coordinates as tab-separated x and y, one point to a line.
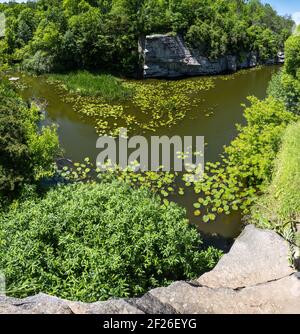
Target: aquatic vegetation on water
246	168
152	105
108	118
159	182
240	72
85	83
234	183
19	85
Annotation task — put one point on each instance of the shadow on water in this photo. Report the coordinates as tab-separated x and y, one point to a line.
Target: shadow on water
78	136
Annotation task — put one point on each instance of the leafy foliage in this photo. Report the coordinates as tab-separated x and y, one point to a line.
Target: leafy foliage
292	54
275	87
90	242
281	203
112	103
286	85
91	34
26	151
247	166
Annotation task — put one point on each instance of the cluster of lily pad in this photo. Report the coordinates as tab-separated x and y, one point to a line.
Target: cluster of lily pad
239	73
166	184
217	193
160	182
108	118
223	187
221	192
153	105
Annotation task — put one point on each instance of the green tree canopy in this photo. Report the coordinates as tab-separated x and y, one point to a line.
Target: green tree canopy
26	151
103	33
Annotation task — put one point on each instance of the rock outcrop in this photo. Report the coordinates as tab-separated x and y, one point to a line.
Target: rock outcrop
256	257
254	277
168	56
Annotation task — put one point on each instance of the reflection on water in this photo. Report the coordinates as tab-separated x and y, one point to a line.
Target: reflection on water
78	136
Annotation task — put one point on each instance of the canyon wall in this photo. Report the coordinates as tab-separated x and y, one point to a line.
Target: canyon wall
167	56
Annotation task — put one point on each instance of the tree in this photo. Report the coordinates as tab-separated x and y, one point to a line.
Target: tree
103	34
26	26
292	55
26	154
286	85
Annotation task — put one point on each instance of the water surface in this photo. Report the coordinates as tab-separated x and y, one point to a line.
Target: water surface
78	136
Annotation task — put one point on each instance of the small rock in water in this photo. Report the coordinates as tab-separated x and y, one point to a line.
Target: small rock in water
14	79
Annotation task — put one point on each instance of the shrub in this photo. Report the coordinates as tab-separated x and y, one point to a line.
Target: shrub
275	88
291	92
92	241
41	62
26	152
292	55
285	86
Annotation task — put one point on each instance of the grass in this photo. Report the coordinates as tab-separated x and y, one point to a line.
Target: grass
87	84
281	204
286	182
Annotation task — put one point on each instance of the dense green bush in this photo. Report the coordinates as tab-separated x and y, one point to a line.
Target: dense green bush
291	92
285	86
275	88
26	151
40	62
94	241
292	55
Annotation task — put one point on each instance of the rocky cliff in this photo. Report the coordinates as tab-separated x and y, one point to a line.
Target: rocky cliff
168	56
254	277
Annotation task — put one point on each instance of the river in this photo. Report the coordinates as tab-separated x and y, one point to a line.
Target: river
78	136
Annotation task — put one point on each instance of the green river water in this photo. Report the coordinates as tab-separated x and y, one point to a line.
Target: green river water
78	136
